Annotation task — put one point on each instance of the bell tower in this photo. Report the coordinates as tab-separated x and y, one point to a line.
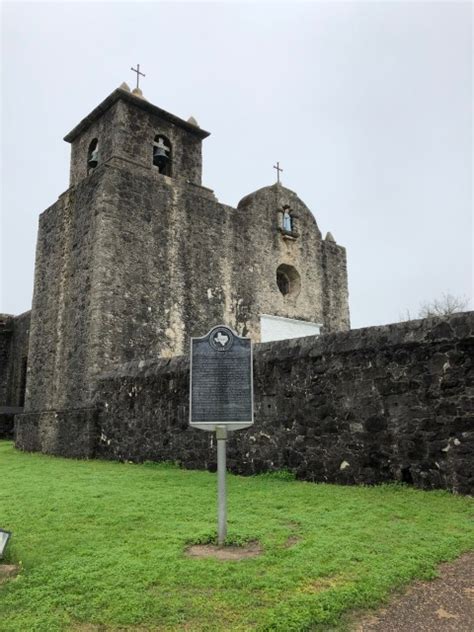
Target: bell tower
126	127
107	275
137	257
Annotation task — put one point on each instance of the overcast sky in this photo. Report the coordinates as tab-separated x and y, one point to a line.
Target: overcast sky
367	106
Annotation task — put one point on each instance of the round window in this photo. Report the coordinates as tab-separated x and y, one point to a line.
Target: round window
288	280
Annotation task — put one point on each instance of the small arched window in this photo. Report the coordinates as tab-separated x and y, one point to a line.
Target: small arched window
162	156
93	155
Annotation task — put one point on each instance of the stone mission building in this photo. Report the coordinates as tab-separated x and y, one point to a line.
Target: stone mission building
137	256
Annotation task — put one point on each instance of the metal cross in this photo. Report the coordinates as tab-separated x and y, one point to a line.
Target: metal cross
137	70
278	168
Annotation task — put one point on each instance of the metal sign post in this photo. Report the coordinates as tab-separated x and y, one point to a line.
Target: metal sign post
221	397
221	436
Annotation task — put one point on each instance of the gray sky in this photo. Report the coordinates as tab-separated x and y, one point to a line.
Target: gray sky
367	106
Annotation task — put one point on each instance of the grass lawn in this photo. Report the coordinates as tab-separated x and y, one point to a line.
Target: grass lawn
101	546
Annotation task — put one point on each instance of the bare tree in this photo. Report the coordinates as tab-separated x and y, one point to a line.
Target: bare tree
447	304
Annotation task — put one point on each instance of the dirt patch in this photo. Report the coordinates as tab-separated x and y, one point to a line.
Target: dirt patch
442	605
8	571
291	541
232	553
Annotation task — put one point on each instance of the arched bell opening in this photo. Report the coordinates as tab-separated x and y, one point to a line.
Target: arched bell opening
93	155
288	280
162	155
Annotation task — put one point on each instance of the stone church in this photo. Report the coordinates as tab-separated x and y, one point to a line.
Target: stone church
137	256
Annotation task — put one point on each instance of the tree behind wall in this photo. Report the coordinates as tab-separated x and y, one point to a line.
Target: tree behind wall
447	304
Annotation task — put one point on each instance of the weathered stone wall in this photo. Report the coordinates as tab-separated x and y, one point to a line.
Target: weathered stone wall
6	334
63	338
126	128
171	261
14	337
364	406
131	263
71	433
153	265
321	264
19	358
101	129
335	294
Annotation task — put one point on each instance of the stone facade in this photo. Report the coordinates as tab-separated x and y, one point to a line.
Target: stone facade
131	263
366	406
132	260
14	336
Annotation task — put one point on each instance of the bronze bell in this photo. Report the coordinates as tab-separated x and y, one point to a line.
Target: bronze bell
160	159
93	160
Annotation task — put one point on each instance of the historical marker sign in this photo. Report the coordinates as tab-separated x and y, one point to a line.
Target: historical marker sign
221	397
221	392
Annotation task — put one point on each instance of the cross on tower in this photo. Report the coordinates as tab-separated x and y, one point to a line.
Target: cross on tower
137	70
278	168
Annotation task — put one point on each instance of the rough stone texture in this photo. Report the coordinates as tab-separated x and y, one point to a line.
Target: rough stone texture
131	263
6	334
323	297
71	433
7	420
125	127
14	336
365	406
64	335
19	359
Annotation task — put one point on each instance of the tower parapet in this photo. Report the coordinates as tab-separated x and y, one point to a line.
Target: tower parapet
128	127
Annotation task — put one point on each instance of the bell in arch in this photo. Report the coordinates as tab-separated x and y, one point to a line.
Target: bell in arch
93	158
161	153
160	157
93	154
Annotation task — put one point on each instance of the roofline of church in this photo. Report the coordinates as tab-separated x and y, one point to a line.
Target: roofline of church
118	94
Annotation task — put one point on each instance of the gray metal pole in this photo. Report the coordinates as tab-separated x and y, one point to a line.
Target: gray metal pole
221	436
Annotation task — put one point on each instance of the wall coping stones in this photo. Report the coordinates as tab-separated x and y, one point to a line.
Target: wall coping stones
414	332
123	95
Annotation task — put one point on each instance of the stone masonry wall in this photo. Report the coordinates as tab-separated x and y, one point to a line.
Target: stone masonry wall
71	433
19	358
6	334
14	338
127	131
322	297
63	312
363	406
131	263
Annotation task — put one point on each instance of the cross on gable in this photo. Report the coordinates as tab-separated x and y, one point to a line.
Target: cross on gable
278	169
137	70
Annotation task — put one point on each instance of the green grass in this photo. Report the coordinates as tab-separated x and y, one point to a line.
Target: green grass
101	545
